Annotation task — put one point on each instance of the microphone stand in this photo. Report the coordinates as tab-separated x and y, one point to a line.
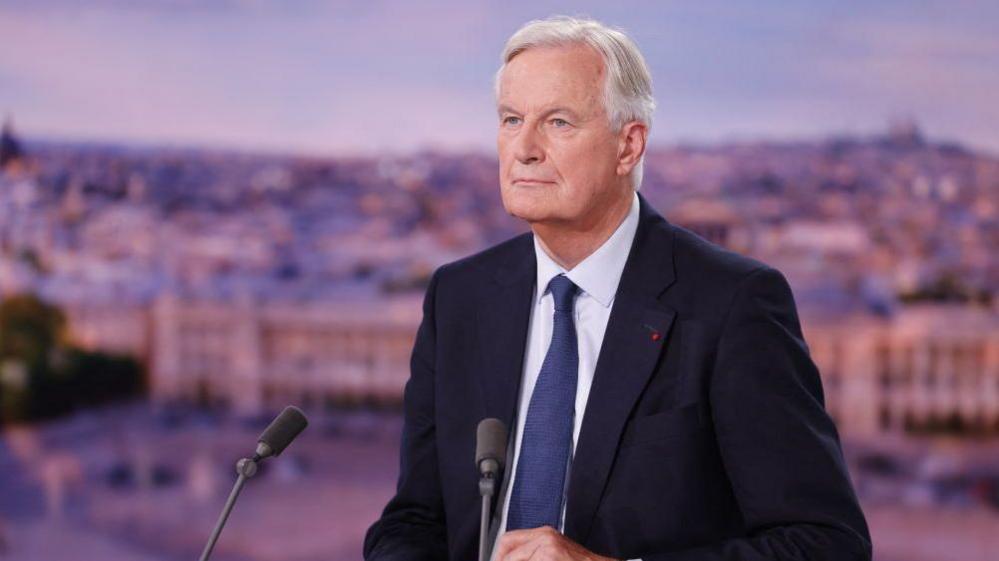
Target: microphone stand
246	468
272	441
487	487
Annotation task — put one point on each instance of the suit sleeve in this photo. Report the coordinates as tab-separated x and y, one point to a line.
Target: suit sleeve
780	449
412	526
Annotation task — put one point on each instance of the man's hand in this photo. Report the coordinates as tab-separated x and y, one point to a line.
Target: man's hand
542	544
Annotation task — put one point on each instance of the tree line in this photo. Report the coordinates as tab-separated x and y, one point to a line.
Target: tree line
44	375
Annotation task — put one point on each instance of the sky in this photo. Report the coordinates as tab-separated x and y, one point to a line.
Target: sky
375	76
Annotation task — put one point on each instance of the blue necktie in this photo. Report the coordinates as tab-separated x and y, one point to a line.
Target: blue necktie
536	499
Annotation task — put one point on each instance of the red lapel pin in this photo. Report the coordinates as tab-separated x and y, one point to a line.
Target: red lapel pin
654	333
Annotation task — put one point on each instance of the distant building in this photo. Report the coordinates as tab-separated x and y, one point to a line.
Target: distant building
904	132
113	327
11	153
825	238
252	356
714	220
928	368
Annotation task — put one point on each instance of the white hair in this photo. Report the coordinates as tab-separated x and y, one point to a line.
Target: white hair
628	84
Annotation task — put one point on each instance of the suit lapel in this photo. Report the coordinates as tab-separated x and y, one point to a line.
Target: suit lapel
637	332
502	323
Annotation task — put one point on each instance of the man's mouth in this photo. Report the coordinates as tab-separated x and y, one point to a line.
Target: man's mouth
531	181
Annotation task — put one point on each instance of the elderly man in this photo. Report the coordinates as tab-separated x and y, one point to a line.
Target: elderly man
661	399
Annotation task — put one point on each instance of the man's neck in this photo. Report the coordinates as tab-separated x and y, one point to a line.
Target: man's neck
569	245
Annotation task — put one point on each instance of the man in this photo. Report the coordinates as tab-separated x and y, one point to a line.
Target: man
661	400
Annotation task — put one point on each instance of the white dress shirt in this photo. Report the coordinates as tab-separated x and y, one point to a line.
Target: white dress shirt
597	277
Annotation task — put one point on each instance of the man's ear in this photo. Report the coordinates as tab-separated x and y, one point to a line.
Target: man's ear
630	146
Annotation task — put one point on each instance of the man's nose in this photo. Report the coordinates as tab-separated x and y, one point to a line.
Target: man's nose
528	148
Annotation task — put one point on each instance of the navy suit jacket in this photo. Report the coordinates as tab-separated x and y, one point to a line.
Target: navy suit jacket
707	442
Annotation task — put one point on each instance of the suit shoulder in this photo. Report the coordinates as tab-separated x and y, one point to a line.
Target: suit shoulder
711	274
705	258
487	261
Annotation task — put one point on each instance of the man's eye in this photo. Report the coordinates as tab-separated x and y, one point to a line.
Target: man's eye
560	122
511	120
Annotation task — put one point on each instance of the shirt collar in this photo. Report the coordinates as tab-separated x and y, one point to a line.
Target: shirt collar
599	274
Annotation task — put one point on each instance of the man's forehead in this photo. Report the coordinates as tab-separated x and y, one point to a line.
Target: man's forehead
573	60
545	78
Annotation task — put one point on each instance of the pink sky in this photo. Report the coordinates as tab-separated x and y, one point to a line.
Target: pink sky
359	77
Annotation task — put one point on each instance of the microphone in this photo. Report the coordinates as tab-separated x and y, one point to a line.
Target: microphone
279	434
275	438
490	457
490	447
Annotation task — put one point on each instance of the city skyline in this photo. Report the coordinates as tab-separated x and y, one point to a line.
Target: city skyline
323	78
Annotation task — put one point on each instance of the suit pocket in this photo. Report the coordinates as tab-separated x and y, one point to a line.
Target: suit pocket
664	425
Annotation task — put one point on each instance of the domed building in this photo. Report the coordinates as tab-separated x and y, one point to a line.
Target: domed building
11	153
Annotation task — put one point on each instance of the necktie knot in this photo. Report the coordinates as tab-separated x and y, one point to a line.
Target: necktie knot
563	291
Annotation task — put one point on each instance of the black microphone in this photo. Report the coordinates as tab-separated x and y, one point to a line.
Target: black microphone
490	447
279	434
490	457
275	438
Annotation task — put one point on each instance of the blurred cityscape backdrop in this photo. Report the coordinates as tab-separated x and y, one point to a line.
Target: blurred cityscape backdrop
178	263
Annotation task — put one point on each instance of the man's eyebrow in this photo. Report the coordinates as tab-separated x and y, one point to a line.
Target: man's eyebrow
507	109
572	114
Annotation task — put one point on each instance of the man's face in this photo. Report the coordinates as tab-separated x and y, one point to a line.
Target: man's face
558	155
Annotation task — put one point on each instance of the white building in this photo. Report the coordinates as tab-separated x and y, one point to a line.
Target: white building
249	355
925	367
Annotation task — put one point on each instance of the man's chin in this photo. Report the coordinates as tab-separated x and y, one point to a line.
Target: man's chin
527	206
528	212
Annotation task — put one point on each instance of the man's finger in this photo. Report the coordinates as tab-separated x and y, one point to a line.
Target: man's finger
527	550
510	545
511	540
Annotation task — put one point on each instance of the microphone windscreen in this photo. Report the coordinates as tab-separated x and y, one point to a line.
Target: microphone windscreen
490	441
282	430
